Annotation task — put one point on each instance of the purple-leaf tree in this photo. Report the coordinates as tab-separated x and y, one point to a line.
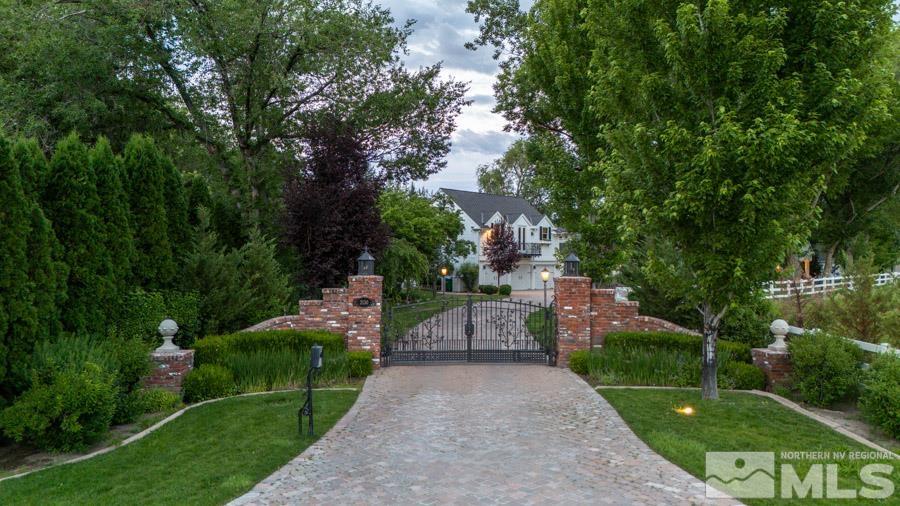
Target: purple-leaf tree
501	250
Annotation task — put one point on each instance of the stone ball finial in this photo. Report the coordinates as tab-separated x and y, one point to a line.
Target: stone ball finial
167	329
779	329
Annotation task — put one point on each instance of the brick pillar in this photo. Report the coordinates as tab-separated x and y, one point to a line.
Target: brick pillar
573	312
364	321
776	364
169	369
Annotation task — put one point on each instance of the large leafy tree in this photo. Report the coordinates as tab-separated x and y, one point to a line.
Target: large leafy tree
513	174
713	126
427	222
331	212
71	203
247	81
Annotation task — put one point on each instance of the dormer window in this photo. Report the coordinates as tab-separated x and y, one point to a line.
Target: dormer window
545	233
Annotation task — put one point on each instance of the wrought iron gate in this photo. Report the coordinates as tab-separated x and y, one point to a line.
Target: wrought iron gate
469	329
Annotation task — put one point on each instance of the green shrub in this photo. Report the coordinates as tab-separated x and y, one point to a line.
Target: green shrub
468	273
66	411
487	289
154	400
749	323
206	382
638	366
825	367
267	369
360	363
126	361
676	342
143	310
880	397
741	376
213	349
504	290
580	361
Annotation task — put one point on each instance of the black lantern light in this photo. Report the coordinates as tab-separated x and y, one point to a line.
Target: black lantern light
365	264
570	266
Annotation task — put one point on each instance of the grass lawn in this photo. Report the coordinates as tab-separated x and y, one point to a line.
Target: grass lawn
737	422
209	455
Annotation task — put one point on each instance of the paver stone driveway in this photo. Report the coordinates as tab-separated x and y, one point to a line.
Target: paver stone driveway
479	434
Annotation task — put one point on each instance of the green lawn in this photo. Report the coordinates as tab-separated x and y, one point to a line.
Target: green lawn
737	422
209	455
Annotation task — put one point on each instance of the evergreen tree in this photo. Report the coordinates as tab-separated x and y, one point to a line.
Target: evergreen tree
71	203
33	167
267	286
153	266
16	308
114	217
197	196
177	211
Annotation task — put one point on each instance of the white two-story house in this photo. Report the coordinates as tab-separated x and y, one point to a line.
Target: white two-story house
539	240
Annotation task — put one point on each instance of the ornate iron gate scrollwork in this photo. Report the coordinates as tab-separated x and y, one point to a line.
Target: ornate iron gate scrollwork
469	329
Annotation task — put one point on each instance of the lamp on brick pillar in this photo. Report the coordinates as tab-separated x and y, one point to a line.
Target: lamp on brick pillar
365	264
570	266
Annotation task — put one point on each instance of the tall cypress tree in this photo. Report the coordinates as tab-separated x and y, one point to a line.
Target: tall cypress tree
177	211
153	265
197	196
33	167
16	305
114	217
71	203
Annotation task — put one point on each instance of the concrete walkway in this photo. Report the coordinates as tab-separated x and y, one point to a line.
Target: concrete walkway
479	434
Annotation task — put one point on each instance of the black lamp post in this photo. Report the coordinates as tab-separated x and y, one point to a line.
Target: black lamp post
316	354
365	264
570	265
444	280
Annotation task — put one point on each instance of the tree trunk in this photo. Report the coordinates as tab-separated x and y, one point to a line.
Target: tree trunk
709	382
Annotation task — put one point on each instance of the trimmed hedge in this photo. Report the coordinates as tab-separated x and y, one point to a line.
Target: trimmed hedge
487	289
360	362
826	368
880	397
213	349
504	290
676	341
208	382
741	376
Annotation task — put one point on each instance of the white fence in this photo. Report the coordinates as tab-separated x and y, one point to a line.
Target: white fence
870	347
789	288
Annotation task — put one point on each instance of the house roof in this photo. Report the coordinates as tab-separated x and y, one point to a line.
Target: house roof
482	206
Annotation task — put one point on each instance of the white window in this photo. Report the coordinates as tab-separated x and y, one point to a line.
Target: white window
521	237
545	233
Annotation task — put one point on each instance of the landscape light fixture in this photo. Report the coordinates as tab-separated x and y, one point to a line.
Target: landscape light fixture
316	359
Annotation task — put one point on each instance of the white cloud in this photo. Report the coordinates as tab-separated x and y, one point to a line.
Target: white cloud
441	29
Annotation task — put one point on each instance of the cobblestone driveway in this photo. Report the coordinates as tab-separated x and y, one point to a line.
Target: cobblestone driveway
478	434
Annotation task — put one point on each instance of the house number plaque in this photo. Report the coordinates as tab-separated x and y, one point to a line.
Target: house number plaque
363	302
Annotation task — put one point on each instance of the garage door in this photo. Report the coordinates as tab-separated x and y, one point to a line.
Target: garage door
521	278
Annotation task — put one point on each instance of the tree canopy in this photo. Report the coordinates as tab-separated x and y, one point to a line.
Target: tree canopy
715	126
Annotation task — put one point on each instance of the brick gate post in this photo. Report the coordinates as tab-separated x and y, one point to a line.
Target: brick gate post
573	313
364	315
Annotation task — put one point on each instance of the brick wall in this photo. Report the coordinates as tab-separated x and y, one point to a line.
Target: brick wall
336	312
364	323
586	316
775	364
573	310
169	369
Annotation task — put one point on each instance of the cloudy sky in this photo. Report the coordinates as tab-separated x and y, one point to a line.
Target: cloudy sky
441	29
